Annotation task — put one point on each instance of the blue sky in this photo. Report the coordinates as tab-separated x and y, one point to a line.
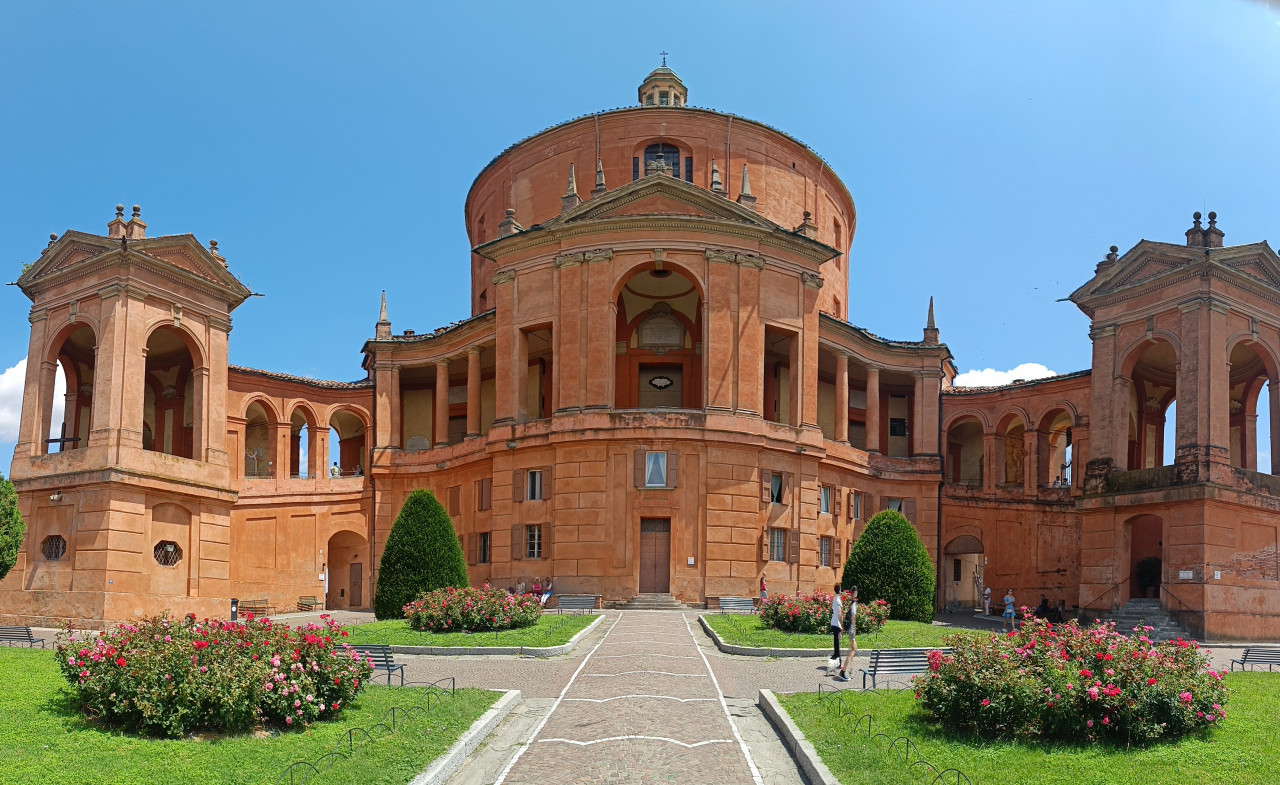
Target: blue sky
993	150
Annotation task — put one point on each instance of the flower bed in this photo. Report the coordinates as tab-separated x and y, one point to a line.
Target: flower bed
811	613
1048	681
472	610
162	677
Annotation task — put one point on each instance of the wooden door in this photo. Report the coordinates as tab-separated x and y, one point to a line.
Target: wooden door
655	555
357	581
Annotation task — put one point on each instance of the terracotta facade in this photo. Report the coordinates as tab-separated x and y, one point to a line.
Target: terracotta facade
658	391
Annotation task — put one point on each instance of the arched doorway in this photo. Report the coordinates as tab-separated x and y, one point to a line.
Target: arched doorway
1153	389
169	395
660	331
346	443
964	453
259	441
1054	449
347	571
1249	376
1146	542
70	402
962	572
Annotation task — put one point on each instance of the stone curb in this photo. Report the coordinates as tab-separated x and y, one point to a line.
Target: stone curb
530	651
755	651
806	756
445	766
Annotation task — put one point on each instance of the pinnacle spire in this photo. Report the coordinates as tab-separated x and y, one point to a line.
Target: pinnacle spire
745	197
599	189
930	328
930	323
716	185
383	328
570	199
573	183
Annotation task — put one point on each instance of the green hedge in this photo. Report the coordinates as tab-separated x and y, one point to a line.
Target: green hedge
12	528
422	554
888	562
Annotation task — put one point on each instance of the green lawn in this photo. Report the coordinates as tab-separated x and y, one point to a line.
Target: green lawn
44	739
1243	751
744	630
549	631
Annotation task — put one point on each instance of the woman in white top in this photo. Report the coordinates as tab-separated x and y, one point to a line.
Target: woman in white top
852	617
837	620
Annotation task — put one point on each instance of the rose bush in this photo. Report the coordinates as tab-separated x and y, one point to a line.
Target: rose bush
162	677
1049	681
811	613
473	610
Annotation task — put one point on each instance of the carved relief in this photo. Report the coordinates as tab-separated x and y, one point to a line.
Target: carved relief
660	332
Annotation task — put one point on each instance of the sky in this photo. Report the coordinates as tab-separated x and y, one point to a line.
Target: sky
994	150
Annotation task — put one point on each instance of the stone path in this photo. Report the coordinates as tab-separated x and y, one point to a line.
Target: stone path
643	706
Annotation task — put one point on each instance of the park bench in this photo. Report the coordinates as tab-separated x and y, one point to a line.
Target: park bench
19	635
256	607
382	660
1254	655
308	604
737	605
897	662
576	602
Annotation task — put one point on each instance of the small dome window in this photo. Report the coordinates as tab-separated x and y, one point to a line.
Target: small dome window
54	547
167	553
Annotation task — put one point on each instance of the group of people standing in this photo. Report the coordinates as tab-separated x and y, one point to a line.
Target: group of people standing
843	621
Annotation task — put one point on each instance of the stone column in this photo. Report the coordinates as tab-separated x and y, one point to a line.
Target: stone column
1031	468
1120	389
989	463
473	391
1249	442
1273	398
318	452
1101	395
873	409
48	377
917	414
281	440
441	430
199	410
29	425
842	398
387	404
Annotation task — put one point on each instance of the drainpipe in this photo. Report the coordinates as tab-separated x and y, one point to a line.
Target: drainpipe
942	465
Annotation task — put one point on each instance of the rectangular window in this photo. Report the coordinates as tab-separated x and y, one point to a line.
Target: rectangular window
826	500
893	504
535	486
955	570
655	470
824	552
533	542
897	426
777	545
775	488
483	556
663	98
857	506
635	168
688	168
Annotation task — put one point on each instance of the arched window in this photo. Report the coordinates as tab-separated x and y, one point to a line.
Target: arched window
670	157
169	396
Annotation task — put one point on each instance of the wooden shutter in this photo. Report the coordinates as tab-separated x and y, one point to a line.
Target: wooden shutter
519	485
454	494
836	562
673	469
909	509
766	486
637	472
517	542
546	483
764	544
472	548
548	536
488	493
836	495
786	488
793	546
477	492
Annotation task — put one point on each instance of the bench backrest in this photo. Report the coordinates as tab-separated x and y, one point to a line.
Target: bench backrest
380	654
308	601
737	605
15	633
901	660
1269	656
570	602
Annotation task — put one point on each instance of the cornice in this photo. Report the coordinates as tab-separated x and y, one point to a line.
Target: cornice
811	280
583	257
505	276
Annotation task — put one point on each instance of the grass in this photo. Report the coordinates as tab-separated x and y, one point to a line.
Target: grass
549	631
45	739
1244	750
744	630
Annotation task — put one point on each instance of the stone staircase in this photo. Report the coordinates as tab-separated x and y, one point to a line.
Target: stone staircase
1138	612
650	602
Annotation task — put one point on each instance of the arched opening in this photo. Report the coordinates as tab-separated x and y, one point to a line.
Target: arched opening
1248	379
1054	449
259	446
659	328
300	445
169	395
346	444
347	571
69	411
964	453
962	572
1146	552
1011	450
1152	391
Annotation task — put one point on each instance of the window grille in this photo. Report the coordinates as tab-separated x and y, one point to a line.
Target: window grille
54	547
484	548
777	545
167	553
533	542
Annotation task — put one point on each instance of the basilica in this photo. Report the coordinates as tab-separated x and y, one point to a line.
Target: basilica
660	391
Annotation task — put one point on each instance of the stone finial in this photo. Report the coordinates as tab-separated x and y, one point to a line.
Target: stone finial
717	187
570	199
807	227
383	328
115	227
119	211
745	198
213	246
1108	262
1195	235
509	225
1213	235
53	238
599	189
930	328
136	229
137	211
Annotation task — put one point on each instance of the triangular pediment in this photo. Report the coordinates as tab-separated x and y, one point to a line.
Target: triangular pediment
661	195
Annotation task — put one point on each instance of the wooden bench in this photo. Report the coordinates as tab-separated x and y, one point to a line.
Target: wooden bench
897	662
308	604
17	635
737	605
1254	655
256	607
382	660
576	602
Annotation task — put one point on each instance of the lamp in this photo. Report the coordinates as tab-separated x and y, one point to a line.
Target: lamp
56	496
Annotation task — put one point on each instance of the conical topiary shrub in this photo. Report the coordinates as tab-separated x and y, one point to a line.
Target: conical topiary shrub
12	528
422	553
888	562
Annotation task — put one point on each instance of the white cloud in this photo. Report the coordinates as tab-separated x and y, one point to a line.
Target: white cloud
990	377
12	382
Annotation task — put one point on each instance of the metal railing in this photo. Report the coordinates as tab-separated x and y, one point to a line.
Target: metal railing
900	748
356	739
1115	587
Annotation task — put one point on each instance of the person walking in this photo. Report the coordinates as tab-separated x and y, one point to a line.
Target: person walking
851	626
764	591
1008	618
837	626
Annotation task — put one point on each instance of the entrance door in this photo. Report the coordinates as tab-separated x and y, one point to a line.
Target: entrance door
655	555
357	580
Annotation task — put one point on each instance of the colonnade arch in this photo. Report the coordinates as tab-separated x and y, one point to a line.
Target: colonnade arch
71	368
173	401
1251	374
1148	395
659	330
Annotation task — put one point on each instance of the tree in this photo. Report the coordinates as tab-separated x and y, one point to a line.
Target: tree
422	553
888	562
13	530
